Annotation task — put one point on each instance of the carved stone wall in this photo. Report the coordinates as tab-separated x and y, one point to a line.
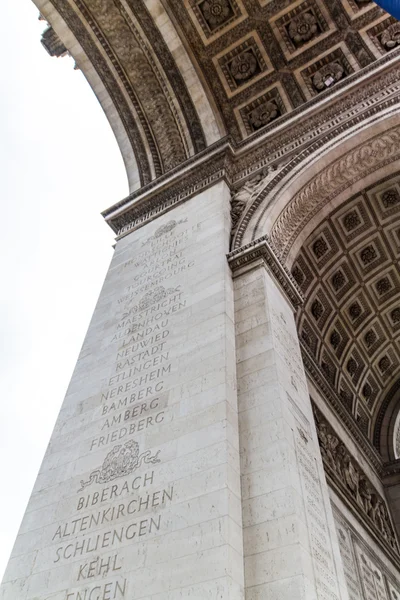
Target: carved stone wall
367	575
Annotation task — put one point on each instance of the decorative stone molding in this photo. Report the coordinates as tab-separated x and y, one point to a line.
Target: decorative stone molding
144	212
52	43
387	409
355	548
391	468
262	249
144	78
349	113
139	89
347	271
362	496
237	162
105	71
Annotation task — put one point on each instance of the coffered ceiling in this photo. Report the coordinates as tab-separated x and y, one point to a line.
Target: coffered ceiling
264	58
348	271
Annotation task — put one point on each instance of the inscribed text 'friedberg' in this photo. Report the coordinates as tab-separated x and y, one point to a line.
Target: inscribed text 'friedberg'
119	503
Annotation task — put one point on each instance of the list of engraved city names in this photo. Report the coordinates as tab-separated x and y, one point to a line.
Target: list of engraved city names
121	502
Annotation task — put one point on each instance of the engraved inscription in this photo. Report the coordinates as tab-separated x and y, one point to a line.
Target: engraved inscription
119	504
321	548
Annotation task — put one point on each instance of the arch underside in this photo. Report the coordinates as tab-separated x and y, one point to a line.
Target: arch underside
176	76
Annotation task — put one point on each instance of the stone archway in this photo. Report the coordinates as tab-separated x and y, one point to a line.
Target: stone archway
290	206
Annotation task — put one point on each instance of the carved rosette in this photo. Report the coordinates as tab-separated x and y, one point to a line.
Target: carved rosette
216	12
390	38
303	28
327	76
263	114
243	66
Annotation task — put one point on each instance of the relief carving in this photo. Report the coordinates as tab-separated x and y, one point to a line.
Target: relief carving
303	28
328	76
397	441
248	191
146	80
120	462
216	12
390	38
337	176
263	114
340	465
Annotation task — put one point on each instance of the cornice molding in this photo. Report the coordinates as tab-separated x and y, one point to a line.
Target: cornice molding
262	249
162	197
390	471
309	153
292	141
337	176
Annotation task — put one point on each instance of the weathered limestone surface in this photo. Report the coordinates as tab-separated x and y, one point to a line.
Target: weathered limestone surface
290	544
138	496
185	461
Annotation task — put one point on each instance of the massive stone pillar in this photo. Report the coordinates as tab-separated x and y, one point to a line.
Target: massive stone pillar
290	544
170	475
138	496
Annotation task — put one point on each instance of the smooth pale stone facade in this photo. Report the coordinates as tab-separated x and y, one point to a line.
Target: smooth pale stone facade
185	461
290	543
139	492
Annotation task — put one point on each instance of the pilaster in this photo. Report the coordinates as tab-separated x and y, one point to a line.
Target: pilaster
290	544
138	495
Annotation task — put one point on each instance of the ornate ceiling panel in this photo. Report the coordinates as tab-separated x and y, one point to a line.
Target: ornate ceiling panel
348	271
264	58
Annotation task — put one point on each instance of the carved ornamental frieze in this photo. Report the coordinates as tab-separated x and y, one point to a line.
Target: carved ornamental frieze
341	467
